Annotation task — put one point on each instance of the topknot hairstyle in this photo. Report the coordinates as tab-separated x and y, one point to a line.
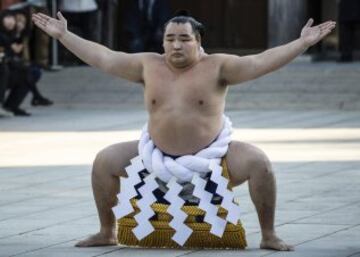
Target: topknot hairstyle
182	17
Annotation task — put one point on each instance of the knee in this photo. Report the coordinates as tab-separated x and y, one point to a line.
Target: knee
113	160
102	160
246	161
259	163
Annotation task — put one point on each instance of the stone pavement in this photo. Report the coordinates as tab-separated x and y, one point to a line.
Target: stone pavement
46	203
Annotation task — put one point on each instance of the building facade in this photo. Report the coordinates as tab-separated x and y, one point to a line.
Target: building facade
257	24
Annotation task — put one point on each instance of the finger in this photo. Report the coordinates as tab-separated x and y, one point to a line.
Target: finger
43	16
39	17
323	26
60	16
331	25
39	20
40	25
327	25
309	23
324	33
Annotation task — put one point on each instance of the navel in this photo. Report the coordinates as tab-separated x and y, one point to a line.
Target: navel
201	102
153	101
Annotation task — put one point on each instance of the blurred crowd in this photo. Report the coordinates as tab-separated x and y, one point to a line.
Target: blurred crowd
24	53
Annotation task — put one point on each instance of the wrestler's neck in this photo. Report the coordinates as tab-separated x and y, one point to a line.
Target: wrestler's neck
185	65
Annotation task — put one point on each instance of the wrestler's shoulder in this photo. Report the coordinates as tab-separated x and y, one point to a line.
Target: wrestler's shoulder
152	56
215	57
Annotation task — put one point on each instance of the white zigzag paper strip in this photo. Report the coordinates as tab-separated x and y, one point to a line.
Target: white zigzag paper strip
182	232
127	188
217	224
144	226
227	195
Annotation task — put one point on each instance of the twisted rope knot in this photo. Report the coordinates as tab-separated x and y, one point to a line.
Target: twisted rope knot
184	167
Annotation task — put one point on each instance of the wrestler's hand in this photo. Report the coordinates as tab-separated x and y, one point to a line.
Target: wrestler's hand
312	35
53	27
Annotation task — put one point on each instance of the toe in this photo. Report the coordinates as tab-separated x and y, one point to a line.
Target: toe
290	248
81	243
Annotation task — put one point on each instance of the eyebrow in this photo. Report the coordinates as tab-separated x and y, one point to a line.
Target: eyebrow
181	35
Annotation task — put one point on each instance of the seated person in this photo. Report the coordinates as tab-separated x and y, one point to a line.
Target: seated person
14	73
3	84
34	71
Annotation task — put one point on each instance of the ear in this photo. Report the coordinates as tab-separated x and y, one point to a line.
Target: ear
198	39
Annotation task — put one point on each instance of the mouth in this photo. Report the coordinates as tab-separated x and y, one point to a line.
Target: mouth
177	55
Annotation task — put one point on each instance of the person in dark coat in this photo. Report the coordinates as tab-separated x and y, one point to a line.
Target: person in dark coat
13	73
143	24
3	84
349	19
33	70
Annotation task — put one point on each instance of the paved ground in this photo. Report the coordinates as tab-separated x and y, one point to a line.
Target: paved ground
46	202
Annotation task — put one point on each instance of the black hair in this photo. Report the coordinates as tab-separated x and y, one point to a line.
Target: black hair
182	17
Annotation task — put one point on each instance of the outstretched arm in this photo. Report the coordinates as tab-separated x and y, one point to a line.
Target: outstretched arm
237	69
127	66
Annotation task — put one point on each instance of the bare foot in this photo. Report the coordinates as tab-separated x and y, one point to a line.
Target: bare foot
98	239
275	243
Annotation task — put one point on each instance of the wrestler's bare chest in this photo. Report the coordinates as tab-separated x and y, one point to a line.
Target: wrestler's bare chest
185	108
198	88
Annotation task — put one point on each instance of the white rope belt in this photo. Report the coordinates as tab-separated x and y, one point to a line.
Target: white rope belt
187	168
184	167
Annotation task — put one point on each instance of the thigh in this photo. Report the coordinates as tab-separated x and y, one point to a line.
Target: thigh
244	160
114	158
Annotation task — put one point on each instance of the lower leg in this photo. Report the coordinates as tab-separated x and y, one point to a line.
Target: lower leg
34	90
16	96
262	187
108	166
263	194
105	188
18	88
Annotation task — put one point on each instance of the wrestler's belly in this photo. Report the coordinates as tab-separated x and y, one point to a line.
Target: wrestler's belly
184	134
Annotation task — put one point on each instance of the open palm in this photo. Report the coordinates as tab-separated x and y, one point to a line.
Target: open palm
312	35
53	27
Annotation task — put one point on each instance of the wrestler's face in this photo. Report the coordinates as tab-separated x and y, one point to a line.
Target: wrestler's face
181	46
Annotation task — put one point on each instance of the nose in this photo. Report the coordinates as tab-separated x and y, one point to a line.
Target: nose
177	44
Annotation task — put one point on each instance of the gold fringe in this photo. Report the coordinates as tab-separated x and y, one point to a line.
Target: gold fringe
233	237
